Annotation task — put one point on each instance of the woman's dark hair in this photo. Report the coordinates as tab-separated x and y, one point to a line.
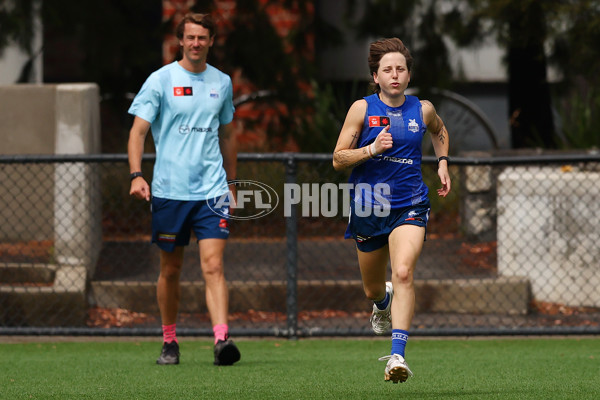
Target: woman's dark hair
380	48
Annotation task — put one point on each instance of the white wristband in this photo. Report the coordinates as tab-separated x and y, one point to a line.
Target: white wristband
372	149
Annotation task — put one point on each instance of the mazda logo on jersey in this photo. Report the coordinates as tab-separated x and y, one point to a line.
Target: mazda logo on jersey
182	91
184	129
376	120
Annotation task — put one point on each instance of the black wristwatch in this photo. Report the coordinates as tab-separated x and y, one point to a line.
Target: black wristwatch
134	175
443	158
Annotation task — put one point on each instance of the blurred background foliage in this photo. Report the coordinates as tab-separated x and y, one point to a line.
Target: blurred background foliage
118	43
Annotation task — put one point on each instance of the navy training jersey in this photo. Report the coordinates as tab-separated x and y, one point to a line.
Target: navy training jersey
392	179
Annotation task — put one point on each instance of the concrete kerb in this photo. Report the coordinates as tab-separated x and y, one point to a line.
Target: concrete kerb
445	295
66	293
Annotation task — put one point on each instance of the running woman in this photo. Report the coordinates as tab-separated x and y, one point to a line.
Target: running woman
381	141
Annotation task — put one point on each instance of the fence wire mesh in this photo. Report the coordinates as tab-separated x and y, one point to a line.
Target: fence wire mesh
512	250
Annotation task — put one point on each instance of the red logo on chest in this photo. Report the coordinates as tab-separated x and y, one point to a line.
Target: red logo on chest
182	91
376	120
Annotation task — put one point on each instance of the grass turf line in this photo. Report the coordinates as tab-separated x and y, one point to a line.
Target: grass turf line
304	369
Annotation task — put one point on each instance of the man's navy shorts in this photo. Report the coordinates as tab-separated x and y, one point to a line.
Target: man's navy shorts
174	220
372	232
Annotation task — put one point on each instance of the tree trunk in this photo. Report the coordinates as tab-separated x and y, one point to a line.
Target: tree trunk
530	103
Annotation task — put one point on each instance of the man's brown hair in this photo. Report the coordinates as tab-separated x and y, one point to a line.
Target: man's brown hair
204	20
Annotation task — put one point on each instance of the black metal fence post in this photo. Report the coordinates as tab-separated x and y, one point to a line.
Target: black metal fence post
291	229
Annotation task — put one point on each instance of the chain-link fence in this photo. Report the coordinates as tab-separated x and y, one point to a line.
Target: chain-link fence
513	250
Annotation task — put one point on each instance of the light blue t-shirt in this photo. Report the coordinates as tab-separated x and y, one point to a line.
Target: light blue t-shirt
185	110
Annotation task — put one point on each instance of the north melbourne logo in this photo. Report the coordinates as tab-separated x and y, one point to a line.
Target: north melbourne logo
413	126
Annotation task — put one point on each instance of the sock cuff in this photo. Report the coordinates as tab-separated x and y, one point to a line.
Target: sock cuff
399	334
384	302
169	334
221	332
220	326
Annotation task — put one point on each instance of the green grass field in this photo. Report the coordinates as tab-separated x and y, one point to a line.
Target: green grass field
527	368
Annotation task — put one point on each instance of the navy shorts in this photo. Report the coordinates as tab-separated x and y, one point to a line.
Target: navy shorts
174	220
372	232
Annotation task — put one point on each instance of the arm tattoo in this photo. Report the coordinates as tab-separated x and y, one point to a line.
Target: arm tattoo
441	135
354	141
344	157
354	164
441	130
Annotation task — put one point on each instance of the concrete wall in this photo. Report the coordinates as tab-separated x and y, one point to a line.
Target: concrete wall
49	119
27	126
52	119
27	119
77	205
59	202
548	231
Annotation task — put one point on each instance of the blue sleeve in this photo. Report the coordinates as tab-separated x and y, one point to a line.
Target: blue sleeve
226	114
146	103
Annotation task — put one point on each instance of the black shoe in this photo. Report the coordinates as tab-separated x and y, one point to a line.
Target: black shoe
226	352
169	354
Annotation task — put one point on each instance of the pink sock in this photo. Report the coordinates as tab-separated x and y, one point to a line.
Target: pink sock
169	333
221	332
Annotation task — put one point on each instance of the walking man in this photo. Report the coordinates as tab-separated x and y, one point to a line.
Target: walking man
188	105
